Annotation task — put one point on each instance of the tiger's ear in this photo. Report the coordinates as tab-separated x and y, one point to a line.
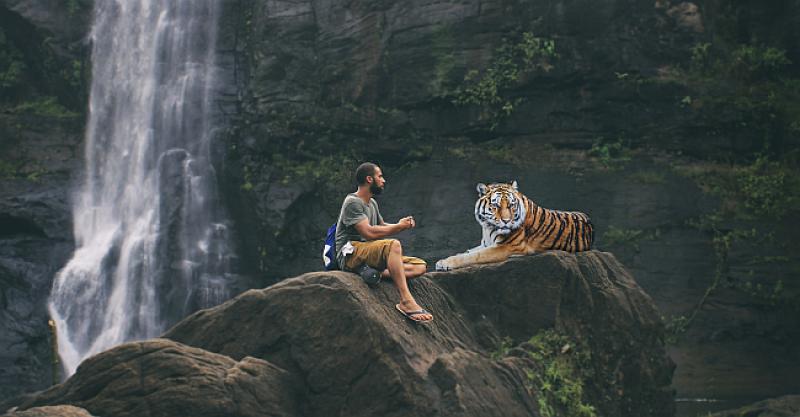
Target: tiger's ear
482	188
514	185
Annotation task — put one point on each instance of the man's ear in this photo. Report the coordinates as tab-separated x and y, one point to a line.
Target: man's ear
482	188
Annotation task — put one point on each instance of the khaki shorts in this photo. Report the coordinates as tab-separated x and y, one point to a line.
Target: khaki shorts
374	253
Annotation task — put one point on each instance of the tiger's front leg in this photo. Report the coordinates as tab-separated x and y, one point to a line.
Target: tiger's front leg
497	253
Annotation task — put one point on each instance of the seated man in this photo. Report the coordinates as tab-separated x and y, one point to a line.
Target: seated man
360	233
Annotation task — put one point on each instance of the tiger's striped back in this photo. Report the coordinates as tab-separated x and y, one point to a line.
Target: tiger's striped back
569	231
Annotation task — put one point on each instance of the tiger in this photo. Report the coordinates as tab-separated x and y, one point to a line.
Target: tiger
514	225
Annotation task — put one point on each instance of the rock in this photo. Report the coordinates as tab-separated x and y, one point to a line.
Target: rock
341	339
786	406
589	296
39	152
163	378
50	411
325	344
66	22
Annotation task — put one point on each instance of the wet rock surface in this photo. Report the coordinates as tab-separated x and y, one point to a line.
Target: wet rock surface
35	242
785	406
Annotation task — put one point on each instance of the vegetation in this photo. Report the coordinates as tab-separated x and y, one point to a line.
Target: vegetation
612	155
649	177
559	378
747	90
616	236
503	347
43	106
511	63
12	67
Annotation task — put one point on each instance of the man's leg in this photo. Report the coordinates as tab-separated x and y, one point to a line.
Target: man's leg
397	271
411	270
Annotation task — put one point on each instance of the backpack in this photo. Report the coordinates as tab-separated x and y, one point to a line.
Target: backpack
329	250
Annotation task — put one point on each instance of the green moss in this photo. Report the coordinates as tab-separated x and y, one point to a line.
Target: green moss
43	106
762	188
442	45
325	170
616	236
12	67
649	177
7	170
767	188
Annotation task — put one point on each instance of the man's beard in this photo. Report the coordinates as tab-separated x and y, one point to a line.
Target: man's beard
374	189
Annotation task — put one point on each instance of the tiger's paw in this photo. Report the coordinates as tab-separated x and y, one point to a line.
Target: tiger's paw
443	265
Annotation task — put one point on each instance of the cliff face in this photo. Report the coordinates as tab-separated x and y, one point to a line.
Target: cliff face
617	120
43	57
325	344
647	116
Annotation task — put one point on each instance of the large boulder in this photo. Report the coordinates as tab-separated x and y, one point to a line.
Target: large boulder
50	411
326	344
163	378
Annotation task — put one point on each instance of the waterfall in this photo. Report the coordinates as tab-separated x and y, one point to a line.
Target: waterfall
151	243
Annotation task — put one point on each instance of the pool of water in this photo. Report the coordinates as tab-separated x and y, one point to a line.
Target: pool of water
701	407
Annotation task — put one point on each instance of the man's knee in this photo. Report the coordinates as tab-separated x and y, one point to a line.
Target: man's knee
419	269
396	247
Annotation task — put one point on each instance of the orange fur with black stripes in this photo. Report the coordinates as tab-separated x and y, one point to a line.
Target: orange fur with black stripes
512	225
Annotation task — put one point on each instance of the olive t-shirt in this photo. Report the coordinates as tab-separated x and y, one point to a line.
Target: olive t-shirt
354	211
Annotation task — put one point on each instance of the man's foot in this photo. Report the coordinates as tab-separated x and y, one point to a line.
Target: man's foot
414	312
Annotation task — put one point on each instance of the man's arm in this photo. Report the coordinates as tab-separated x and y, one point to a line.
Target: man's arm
382	230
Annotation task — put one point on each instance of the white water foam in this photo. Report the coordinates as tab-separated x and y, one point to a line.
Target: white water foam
151	243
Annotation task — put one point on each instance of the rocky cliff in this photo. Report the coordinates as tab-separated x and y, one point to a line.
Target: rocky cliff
325	344
651	117
43	61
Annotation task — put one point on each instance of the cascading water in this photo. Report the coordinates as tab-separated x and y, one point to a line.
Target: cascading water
151	245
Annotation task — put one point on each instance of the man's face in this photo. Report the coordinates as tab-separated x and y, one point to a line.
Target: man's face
377	184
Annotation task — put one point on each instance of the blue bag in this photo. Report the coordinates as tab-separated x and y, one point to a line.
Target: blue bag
329	250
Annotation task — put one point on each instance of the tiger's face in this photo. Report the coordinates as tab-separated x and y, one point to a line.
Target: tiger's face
500	208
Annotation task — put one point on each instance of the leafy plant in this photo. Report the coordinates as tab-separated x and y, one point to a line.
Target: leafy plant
503	347
612	155
675	326
510	63
559	382
750	61
765	189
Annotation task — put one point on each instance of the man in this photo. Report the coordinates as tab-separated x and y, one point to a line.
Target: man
360	240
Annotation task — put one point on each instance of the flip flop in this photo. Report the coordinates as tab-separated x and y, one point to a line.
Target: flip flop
410	314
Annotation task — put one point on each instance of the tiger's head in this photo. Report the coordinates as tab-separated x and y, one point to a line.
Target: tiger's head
500	208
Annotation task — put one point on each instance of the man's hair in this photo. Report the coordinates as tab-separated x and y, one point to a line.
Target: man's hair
367	169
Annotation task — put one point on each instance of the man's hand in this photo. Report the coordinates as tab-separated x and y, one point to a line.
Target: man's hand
407	222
